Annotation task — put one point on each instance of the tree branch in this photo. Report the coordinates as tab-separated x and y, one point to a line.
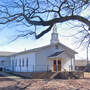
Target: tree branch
43	32
58	20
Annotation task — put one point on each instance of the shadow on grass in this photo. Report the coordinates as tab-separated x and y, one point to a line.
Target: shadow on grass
6	79
16	87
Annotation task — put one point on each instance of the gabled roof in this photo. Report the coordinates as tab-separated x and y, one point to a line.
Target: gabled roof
5	53
68	48
56	54
43	47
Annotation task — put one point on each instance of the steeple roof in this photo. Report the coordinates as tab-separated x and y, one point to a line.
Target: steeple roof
54	35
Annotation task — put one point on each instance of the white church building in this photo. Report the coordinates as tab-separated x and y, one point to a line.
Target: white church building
53	57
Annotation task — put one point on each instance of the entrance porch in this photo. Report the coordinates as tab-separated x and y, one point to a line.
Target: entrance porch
61	62
56	61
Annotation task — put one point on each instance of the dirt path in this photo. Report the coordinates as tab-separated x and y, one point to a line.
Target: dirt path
9	83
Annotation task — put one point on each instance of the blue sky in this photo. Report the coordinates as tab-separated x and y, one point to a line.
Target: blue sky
19	45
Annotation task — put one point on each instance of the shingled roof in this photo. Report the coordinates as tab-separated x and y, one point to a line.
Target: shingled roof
3	54
43	47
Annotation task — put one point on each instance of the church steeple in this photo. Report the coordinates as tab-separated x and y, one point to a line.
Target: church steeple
54	35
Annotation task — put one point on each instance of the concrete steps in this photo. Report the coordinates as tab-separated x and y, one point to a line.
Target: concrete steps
50	75
35	75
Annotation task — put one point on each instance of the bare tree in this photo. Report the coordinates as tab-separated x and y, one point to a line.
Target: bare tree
83	35
37	13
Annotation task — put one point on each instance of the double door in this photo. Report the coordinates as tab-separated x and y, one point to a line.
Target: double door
57	65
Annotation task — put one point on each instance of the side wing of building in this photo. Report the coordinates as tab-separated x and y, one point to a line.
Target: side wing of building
24	62
4	62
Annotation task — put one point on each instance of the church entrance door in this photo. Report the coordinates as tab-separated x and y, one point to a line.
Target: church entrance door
54	65
57	65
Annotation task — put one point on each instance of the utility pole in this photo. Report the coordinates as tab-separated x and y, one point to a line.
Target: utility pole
87	54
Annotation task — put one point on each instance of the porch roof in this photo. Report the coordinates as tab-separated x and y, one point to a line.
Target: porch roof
55	54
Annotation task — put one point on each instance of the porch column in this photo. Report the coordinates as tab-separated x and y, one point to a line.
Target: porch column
74	63
71	67
57	64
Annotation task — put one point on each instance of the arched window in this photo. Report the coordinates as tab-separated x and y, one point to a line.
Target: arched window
16	62
56	47
27	62
19	62
23	62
